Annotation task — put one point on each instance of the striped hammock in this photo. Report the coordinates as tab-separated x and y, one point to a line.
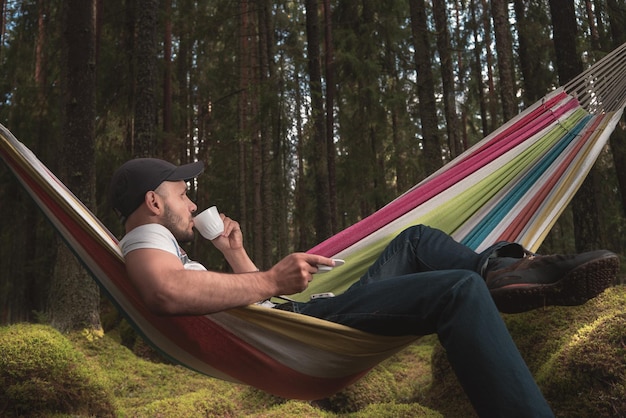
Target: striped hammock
511	186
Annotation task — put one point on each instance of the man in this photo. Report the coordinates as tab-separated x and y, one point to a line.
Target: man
424	282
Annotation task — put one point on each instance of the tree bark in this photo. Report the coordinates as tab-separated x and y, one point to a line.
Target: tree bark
267	123
74	296
617	19
167	69
525	60
302	240
504	48
146	82
447	78
329	70
587	230
477	72
2	25
593	29
425	87
492	101
242	112
535	49
255	134
320	163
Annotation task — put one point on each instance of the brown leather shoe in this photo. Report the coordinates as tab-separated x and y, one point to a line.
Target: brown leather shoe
564	280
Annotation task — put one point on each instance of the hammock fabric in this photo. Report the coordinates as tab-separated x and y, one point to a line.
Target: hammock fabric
511	186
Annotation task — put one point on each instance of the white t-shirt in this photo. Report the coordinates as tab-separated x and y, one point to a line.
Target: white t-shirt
158	237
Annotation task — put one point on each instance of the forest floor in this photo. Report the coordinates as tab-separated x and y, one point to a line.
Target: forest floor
577	355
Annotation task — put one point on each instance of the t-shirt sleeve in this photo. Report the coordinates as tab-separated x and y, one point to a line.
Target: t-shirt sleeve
149	236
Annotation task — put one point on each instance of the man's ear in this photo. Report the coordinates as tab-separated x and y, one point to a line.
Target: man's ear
153	202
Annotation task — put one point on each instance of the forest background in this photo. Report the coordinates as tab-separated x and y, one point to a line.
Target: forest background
308	115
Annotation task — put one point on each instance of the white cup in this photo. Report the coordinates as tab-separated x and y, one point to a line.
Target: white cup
209	223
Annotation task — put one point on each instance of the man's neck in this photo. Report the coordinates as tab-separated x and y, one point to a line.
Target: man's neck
137	219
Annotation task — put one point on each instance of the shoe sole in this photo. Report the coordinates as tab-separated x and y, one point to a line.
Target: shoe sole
577	287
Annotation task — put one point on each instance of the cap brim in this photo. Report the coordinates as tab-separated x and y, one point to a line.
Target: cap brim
187	171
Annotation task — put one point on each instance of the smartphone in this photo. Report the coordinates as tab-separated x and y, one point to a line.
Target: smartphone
322	295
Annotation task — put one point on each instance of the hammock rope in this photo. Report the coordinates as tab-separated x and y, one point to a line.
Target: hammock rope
602	87
511	186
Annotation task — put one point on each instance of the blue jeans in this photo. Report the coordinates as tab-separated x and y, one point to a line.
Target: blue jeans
424	283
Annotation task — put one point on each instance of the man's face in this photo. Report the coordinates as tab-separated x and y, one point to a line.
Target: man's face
178	209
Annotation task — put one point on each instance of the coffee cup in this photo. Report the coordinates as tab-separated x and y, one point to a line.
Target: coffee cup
209	223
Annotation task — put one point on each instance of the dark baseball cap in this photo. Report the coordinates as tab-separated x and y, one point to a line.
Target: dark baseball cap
133	179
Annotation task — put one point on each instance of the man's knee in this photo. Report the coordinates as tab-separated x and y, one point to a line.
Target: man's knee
414	231
472	287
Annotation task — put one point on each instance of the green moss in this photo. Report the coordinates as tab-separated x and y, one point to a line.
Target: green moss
539	334
291	409
42	374
142	386
128	335
377	386
577	354
255	399
202	403
394	410
587	375
299	409
412	369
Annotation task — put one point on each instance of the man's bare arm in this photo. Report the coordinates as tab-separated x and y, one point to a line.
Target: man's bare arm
168	289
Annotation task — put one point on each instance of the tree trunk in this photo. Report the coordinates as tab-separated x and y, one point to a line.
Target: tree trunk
242	119
267	124
569	64
425	87
504	48
534	50
129	65
617	19
586	212
618	149
320	163
167	70
447	78
524	48
301	197
255	134
146	82
477	72
37	246
593	29
74	296
2	25
492	101
329	67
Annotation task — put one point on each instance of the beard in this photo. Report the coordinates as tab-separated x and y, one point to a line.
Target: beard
174	223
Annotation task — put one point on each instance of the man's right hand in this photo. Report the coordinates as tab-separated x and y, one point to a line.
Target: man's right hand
293	273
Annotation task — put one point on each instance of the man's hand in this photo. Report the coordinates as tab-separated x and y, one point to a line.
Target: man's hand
232	238
230	243
293	273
